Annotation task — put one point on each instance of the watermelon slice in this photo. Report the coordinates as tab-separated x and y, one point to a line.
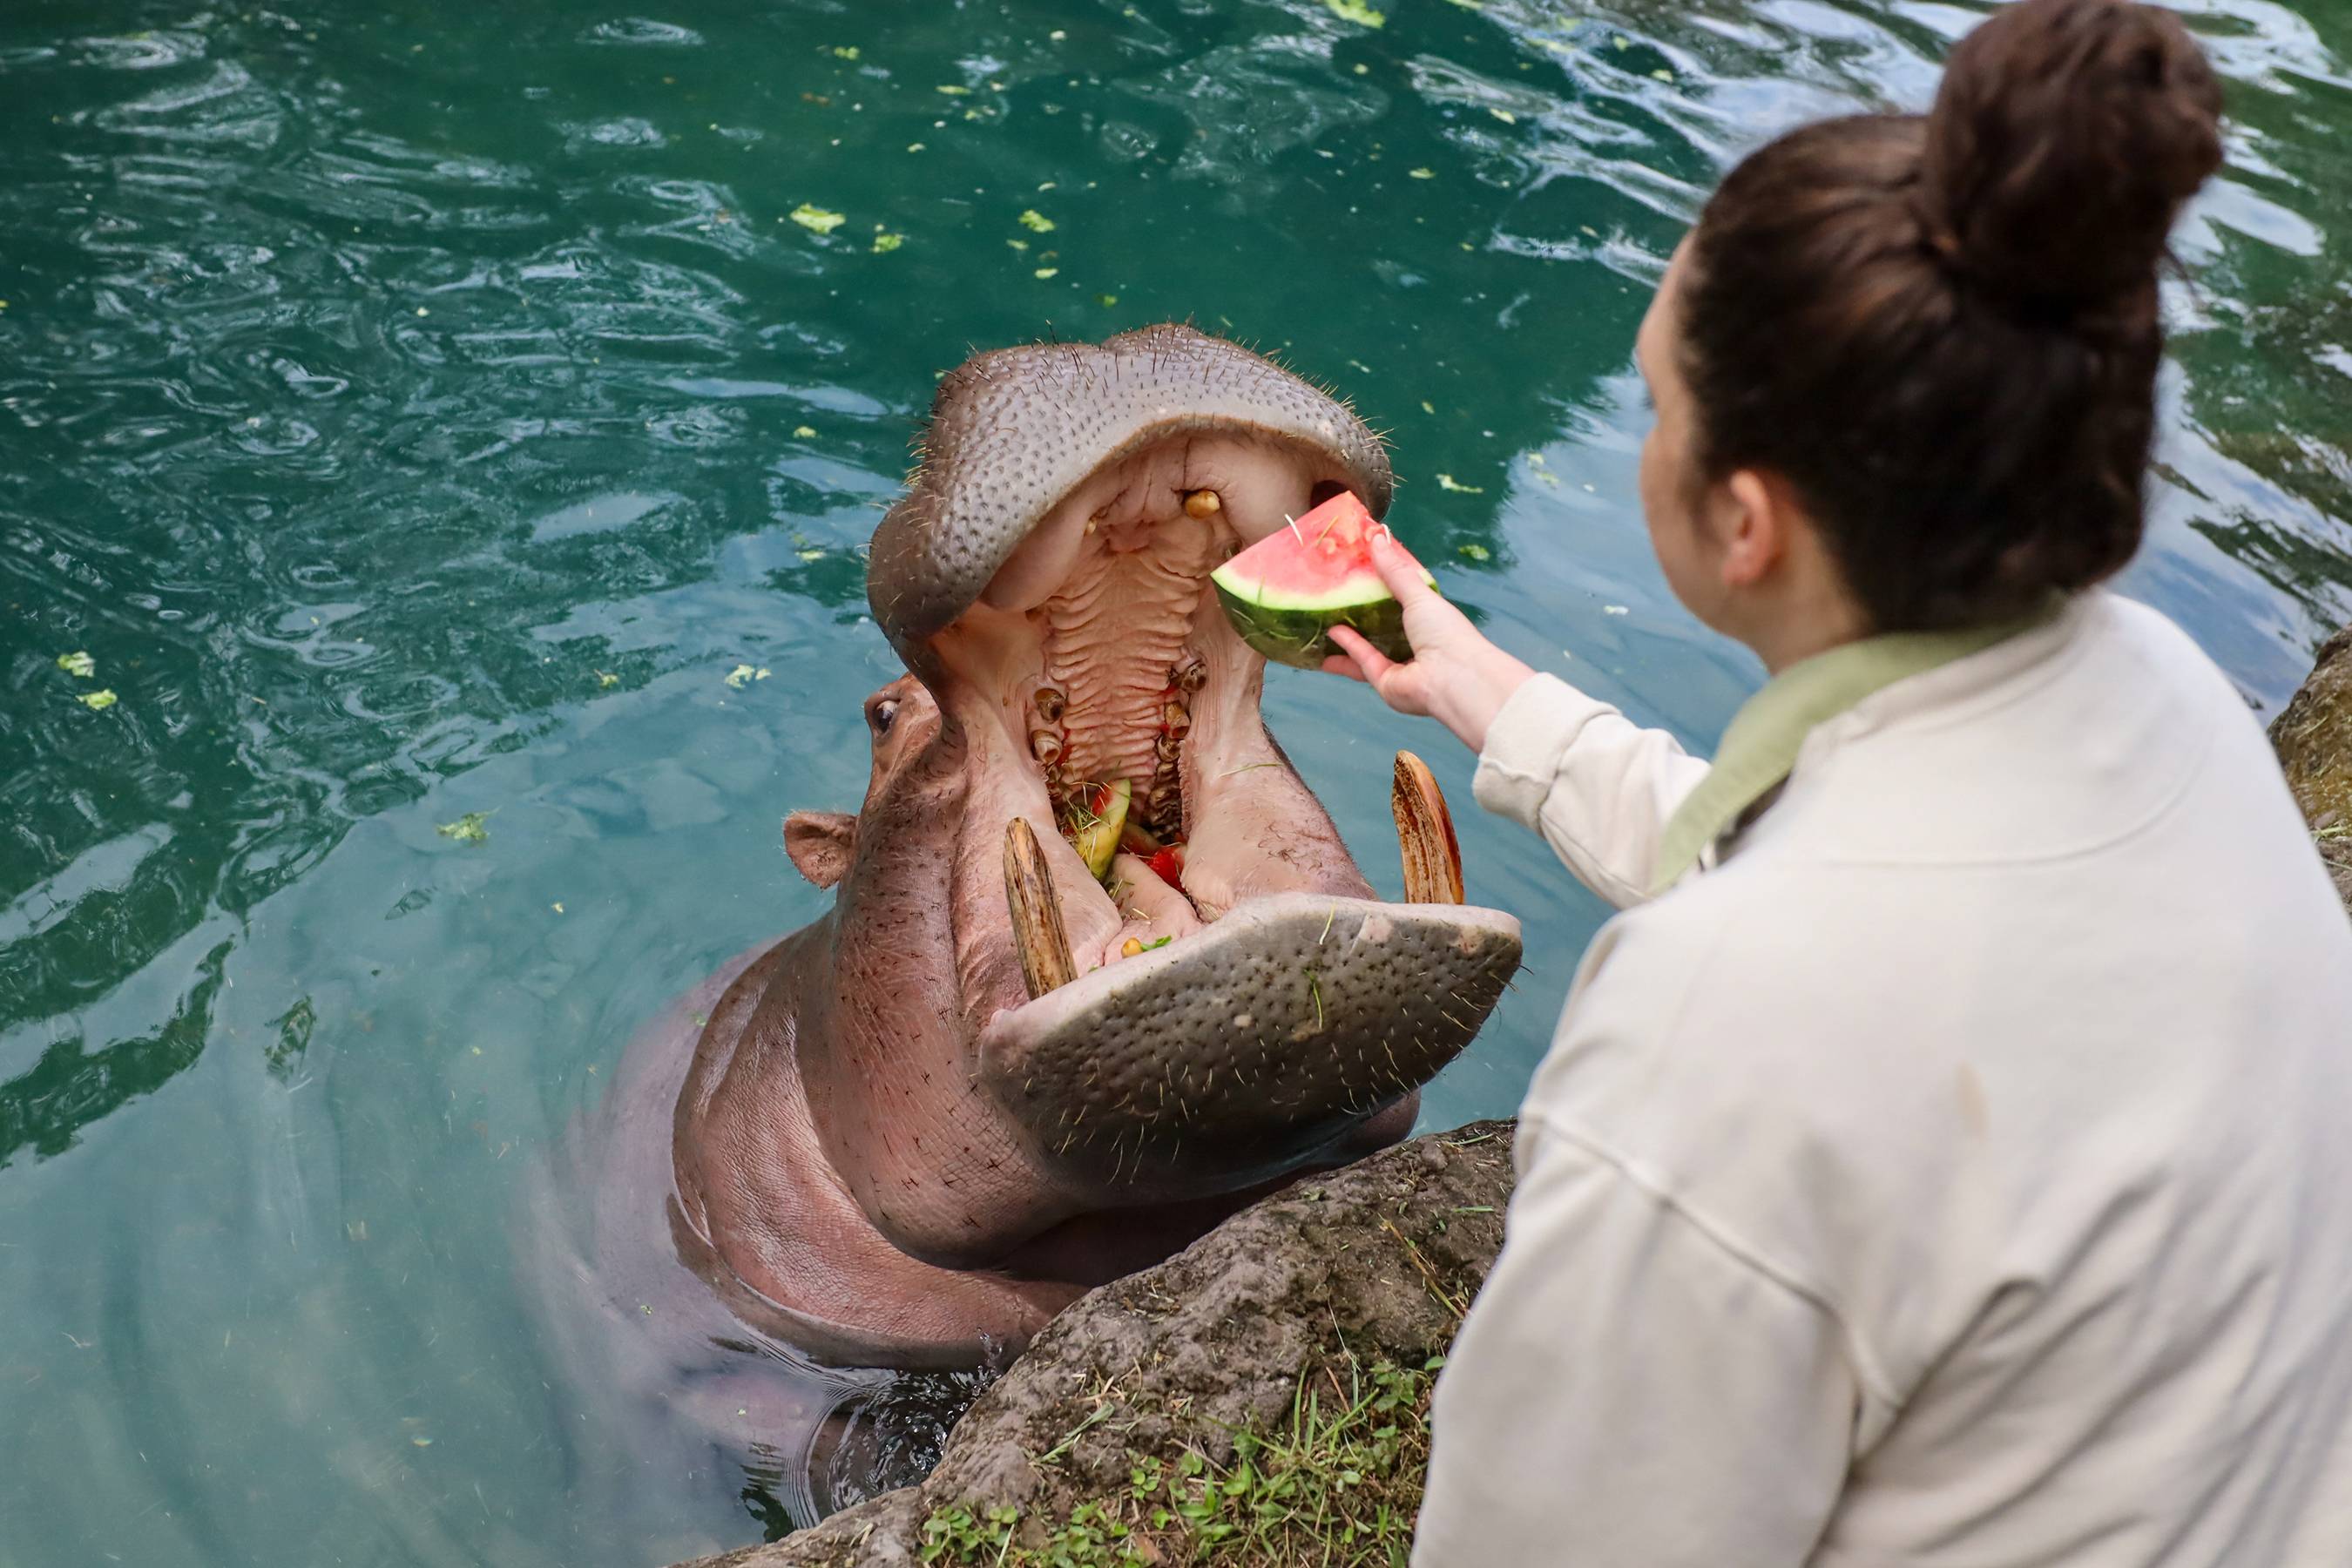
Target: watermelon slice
1285	594
1094	833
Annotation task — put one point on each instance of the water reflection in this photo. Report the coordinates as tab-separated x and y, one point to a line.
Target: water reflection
420	415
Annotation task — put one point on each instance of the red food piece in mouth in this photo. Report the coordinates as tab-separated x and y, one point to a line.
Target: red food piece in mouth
1169	866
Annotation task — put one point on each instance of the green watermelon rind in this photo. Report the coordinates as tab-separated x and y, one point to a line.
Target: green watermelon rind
1299	635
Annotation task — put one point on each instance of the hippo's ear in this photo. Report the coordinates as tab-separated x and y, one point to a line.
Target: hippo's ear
821	844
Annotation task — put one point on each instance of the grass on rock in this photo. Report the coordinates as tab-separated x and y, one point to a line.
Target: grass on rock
1337	1485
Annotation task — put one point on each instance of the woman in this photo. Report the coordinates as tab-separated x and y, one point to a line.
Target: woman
1947	1156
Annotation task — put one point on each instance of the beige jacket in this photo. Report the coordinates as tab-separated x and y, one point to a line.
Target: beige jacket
1957	1171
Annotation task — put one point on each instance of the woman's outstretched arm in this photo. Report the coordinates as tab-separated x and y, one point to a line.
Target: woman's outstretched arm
1597	786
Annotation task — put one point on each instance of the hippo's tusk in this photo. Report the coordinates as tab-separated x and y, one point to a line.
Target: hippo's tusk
1202	504
1045	946
1433	858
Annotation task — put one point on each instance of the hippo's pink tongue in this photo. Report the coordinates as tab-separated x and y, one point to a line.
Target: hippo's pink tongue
1238	1053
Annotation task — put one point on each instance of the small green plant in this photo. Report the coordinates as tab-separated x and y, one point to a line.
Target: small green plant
957	1535
1095	1538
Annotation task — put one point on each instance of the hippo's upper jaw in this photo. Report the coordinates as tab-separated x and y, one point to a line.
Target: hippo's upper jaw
1169	1032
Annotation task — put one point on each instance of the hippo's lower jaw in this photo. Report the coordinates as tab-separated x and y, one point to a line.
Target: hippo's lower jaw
1266	1039
1155	1036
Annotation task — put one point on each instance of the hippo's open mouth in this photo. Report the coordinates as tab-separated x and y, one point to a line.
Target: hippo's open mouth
1188	966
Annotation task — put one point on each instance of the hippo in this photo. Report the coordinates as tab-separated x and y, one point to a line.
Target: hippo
1031	1047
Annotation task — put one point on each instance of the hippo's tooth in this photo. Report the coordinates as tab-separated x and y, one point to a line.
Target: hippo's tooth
1175	719
1204	504
1049	704
1045	946
1190	676
1432	859
1046	744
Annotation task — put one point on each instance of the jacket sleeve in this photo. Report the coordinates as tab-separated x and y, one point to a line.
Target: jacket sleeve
1597	786
1630	1391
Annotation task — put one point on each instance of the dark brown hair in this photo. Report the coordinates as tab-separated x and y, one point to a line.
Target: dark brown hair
1942	330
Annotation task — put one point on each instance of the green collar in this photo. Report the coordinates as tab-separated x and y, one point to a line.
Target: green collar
1761	746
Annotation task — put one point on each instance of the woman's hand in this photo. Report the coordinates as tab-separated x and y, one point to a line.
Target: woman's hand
1456	676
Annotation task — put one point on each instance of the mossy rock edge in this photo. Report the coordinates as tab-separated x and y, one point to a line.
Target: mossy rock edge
2313	739
1320	1310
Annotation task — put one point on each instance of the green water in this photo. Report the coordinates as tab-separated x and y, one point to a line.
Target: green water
419	410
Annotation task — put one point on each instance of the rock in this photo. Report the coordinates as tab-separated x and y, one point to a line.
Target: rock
2313	738
1333	1275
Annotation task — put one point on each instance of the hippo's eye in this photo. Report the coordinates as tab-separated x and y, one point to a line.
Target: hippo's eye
881	715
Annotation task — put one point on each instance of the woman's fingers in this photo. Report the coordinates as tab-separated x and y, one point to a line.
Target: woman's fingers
1397	569
1430	620
1364	662
1338	665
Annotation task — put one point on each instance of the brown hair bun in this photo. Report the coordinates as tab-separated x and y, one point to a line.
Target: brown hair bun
2066	138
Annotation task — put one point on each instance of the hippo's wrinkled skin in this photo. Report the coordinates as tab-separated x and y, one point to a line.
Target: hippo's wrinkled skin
880	1151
